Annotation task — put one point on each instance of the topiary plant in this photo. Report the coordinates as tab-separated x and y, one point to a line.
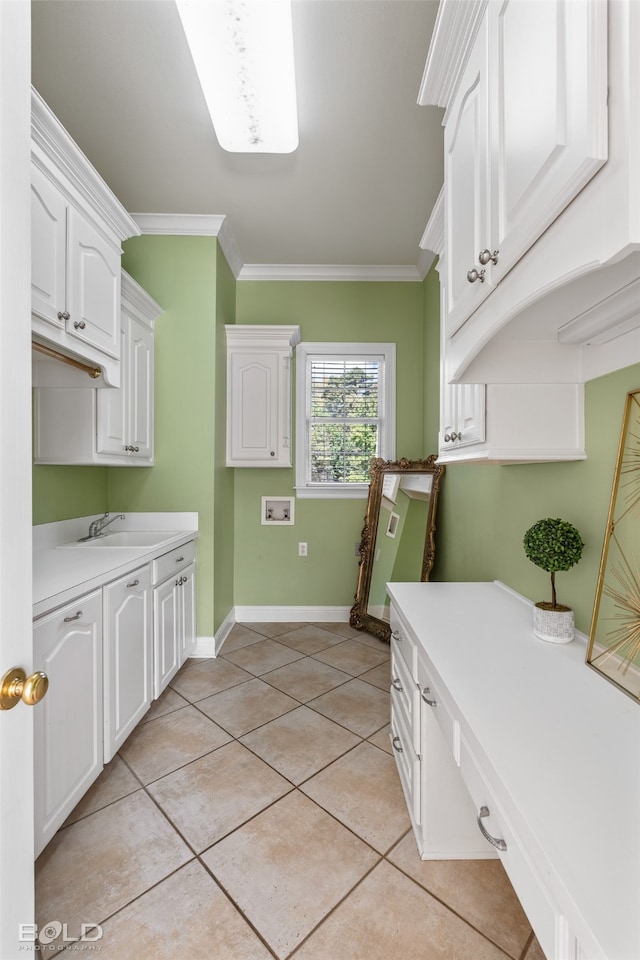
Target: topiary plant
553	545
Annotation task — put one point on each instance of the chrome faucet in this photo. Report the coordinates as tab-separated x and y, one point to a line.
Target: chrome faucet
97	526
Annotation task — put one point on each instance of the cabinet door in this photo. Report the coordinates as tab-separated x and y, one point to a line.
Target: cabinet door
140	390
187	627
93	292
127	657
462	415
253	407
549	122
166	600
68	722
48	249
466	158
112	412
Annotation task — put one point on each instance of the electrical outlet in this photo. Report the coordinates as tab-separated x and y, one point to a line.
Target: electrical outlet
302	550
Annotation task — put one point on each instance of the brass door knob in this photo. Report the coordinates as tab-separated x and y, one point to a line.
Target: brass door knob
16	685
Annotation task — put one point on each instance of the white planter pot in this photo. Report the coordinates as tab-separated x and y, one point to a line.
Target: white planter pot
555	626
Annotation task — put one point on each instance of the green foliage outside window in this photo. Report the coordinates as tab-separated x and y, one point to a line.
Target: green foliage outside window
344	427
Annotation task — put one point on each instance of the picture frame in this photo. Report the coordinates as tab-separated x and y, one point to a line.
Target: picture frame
614	637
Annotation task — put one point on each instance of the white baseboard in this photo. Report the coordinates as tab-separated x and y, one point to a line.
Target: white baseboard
211	646
291	614
205	647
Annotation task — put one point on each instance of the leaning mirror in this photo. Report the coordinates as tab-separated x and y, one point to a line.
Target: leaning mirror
398	537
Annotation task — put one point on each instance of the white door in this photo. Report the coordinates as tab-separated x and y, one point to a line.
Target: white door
16	726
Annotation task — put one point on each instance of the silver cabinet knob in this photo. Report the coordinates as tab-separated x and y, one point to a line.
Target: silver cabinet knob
64	315
78	324
485	256
473	275
447	437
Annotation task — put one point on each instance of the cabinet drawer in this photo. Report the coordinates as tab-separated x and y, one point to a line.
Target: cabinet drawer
168	564
406	698
431	694
541	911
408	763
403	644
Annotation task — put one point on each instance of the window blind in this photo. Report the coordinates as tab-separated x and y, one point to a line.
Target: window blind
345	402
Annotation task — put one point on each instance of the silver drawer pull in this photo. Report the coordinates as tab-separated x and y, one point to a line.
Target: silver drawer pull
395	683
79	324
395	744
425	696
396	636
494	841
71	619
134	583
179	559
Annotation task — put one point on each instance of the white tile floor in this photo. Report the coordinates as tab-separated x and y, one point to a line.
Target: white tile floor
256	813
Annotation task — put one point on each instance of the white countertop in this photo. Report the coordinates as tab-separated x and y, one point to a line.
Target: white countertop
62	572
563	742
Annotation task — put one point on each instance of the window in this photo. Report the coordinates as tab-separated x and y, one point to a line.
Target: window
345	415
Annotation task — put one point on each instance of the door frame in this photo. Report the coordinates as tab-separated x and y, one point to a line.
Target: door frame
16	646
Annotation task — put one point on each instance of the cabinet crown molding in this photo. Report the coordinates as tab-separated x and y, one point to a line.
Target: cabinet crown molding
138	300
254	335
453	36
49	136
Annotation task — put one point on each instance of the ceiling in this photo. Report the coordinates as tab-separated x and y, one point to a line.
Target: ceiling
359	189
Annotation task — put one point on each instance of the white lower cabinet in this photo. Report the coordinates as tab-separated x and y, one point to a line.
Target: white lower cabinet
107	655
523	754
128	656
68	735
441	811
173	613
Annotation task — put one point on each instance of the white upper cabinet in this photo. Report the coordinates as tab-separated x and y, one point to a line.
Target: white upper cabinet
525	130
259	395
125	416
102	425
77	229
467	211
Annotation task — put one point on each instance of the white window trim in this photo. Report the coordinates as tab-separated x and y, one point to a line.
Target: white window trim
343	491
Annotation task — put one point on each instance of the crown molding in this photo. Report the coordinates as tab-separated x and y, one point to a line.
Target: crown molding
433	236
74	174
455	30
180	224
214	225
329	272
194	225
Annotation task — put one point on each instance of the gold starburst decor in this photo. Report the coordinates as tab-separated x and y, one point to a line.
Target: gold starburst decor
614	638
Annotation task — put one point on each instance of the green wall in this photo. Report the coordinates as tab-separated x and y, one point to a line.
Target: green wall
268	570
224	494
180	273
484	510
61	493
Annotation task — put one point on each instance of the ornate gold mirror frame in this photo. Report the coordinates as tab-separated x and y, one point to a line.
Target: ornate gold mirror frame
614	638
398	537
